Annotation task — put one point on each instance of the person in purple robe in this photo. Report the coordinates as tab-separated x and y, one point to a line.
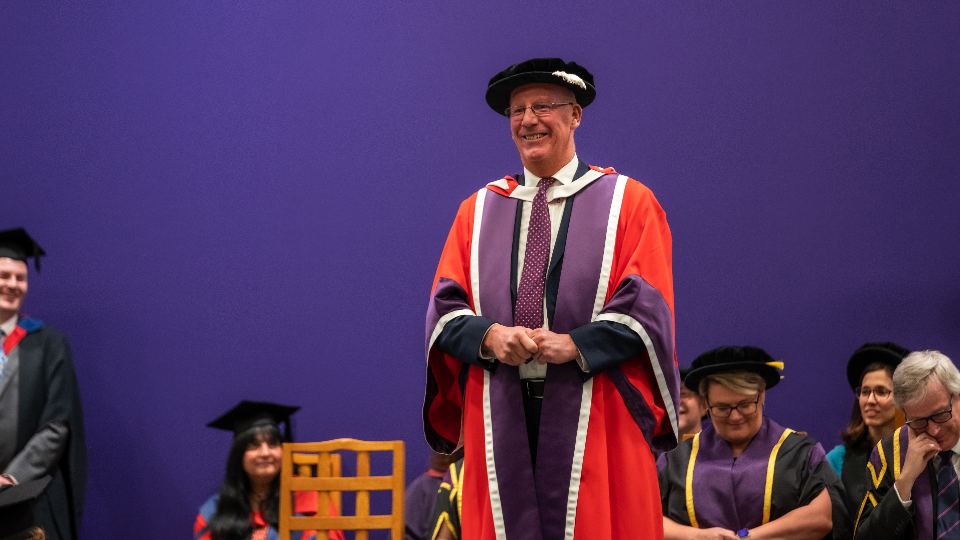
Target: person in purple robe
744	475
913	489
420	497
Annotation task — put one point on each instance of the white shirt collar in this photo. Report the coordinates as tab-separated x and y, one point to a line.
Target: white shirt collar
8	325
564	175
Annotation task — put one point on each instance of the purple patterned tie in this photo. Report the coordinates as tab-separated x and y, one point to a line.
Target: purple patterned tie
528	312
948	494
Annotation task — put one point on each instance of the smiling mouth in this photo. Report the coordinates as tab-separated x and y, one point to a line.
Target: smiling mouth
533	137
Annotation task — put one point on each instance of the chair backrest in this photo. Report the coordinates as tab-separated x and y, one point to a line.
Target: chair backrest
322	465
317	466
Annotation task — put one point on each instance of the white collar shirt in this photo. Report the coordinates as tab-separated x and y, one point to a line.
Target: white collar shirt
555	207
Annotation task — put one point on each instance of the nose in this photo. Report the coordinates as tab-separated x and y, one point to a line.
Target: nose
528	117
872	397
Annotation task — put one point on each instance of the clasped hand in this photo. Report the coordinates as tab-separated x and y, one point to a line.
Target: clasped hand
516	345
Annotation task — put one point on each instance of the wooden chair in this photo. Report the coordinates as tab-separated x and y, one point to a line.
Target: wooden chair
317	467
323	465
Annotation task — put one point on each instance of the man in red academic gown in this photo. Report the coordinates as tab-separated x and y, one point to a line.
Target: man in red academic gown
550	332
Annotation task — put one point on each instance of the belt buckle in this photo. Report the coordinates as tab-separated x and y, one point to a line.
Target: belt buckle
533	388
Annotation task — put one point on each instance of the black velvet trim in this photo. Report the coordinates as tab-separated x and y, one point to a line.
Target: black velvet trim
605	344
556	261
462	338
515	250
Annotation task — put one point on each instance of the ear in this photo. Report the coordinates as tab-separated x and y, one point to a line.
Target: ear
577	115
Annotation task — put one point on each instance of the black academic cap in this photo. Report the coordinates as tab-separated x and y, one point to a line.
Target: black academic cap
16	507
249	414
886	353
569	75
18	245
733	359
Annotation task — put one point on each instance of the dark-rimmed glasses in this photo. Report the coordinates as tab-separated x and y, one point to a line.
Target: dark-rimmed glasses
745	408
539	109
882	392
919	425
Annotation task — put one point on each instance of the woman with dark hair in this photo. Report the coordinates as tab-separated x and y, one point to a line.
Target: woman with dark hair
874	415
247	506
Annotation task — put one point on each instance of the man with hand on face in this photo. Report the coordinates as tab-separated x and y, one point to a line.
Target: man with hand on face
912	488
550	332
41	427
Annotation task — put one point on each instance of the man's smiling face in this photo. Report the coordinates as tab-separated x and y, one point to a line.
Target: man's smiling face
13	286
545	143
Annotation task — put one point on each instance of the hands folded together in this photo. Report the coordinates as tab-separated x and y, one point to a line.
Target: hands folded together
516	345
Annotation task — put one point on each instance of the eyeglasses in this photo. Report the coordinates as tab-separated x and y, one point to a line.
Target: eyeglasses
918	425
745	408
882	393
539	109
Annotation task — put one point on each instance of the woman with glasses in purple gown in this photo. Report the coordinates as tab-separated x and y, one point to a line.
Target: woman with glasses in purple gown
744	475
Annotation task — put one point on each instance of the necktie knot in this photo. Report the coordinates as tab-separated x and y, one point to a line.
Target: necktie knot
545	184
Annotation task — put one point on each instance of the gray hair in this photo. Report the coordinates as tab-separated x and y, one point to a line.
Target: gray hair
913	374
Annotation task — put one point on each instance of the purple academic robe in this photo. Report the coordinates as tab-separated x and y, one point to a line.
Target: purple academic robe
717	490
881	515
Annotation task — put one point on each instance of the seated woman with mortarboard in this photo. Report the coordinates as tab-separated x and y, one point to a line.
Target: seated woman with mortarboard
247	507
744	475
874	416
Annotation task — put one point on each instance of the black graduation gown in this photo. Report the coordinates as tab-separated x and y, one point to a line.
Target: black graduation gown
48	393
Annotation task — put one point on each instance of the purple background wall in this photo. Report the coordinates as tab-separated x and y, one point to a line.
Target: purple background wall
248	200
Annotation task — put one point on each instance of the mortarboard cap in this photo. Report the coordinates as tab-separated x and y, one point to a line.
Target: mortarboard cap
249	414
733	359
16	244
16	507
887	353
556	71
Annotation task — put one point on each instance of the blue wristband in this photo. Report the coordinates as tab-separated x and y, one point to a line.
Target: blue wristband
743	533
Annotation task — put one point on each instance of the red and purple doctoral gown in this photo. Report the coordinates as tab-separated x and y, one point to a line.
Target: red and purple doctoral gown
702	485
609	275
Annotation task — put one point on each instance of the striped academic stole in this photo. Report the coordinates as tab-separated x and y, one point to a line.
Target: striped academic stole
24	327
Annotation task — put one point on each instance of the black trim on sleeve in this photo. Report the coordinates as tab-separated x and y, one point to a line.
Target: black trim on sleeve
462	338
605	344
